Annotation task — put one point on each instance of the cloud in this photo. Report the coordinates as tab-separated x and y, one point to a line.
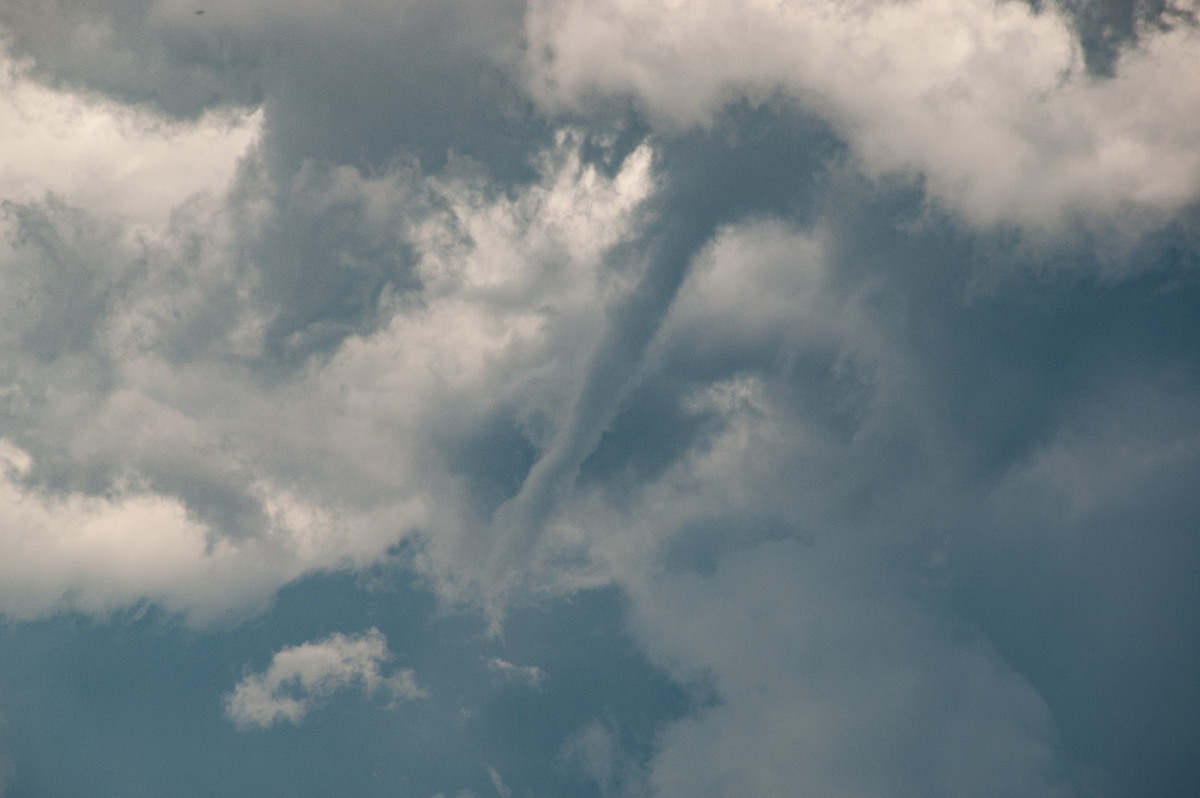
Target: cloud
597	750
989	104
528	675
163	342
161	54
852	344
108	157
98	554
302	677
351	82
501	789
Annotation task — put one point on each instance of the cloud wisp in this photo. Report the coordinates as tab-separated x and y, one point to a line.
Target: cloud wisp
527	675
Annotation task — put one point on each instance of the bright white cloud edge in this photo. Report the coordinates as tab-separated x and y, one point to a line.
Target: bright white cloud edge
989	103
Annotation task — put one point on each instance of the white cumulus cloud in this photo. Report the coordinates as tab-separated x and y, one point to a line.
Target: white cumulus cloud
302	677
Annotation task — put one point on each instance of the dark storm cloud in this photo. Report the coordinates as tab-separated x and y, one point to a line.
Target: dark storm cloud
809	401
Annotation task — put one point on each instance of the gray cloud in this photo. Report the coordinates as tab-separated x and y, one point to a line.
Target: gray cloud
528	675
861	363
139	52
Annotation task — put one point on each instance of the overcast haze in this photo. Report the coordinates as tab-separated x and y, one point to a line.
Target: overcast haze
600	398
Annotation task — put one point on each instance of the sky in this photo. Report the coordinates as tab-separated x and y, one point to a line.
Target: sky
600	398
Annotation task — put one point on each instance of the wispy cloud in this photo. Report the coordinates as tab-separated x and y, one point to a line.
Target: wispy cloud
528	675
501	788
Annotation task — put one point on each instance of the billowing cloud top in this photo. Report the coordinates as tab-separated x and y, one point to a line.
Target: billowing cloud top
810	388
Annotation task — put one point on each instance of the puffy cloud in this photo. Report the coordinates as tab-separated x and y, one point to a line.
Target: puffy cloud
98	554
132	374
988	104
302	677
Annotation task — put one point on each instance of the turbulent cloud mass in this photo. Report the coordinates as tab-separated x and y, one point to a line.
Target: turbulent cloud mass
706	398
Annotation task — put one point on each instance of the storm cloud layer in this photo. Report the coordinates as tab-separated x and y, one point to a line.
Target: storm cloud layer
687	398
